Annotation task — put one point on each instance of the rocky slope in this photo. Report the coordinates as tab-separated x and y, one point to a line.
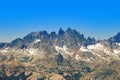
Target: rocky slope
67	55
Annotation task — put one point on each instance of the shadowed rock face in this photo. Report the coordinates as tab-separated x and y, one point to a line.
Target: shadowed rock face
17	43
53	36
3	45
115	38
59	59
43	35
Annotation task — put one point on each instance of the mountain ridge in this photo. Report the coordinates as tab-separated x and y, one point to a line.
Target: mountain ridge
69	42
35	35
70	38
66	55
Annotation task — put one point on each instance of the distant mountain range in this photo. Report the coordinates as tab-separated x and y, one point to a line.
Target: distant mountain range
70	38
68	41
65	49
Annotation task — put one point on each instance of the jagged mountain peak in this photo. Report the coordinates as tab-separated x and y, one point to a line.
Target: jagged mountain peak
118	34
115	39
90	41
61	32
17	42
69	38
53	33
69	29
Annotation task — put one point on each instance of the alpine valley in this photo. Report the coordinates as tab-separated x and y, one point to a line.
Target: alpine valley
66	55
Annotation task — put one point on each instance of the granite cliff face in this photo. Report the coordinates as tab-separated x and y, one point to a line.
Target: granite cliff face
66	55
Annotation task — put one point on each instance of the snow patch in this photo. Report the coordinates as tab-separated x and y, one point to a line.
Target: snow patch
118	44
58	48
116	51
83	49
64	49
107	51
37	40
32	51
77	57
97	46
4	50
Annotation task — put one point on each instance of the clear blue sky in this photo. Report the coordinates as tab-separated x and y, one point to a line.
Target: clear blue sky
96	18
